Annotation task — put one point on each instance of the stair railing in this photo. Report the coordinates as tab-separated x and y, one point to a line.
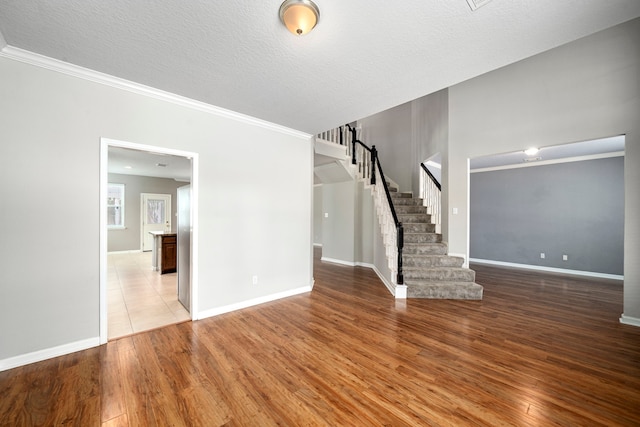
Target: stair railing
431	195
366	160
336	136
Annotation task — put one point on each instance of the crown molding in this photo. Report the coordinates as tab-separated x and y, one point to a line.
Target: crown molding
52	64
551	162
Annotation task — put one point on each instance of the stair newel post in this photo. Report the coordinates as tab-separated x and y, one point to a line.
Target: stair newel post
374	159
400	238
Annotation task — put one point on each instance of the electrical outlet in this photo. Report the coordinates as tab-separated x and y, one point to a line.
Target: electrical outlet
565	257
542	255
255	280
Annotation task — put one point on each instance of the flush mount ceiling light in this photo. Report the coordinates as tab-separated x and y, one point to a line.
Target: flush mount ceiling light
299	16
531	151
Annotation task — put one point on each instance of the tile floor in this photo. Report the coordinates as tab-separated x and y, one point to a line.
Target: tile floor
138	298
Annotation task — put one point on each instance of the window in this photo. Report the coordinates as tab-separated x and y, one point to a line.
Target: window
115	206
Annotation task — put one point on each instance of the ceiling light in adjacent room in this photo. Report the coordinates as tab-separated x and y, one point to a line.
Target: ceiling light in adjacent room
299	16
531	151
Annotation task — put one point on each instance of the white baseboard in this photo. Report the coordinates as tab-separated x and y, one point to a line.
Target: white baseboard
338	261
48	353
252	302
317	245
398	291
548	269
628	320
132	251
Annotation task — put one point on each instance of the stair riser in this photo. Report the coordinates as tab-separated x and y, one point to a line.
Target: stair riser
414	218
432	261
422	238
439	292
410	209
419	227
407	202
426	249
441	275
396	195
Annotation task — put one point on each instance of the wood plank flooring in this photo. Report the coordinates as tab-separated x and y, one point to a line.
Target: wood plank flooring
539	350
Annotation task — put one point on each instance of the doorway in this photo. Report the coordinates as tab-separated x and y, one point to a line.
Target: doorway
127	259
155	215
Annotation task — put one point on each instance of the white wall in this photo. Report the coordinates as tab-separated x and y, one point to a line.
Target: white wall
339	226
49	217
317	215
583	90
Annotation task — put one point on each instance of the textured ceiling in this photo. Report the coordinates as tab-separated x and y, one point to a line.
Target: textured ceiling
363	57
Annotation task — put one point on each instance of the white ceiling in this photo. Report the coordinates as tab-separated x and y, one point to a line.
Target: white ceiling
135	162
362	58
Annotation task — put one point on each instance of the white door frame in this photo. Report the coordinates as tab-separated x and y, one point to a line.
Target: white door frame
105	143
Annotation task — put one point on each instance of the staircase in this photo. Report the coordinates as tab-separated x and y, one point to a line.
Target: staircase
428	271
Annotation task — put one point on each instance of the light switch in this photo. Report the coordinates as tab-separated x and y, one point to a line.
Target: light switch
455	211
326	214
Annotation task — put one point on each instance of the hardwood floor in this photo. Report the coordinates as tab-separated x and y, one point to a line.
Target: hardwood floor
539	350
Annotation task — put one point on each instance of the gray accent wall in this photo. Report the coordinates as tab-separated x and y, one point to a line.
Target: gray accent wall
128	239
573	208
583	90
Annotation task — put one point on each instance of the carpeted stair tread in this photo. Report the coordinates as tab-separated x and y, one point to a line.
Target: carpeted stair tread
444	290
437	248
430	261
422	238
419	227
398	195
439	274
411	209
414	217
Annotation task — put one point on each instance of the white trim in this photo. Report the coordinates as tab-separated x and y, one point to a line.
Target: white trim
105	143
104	183
364	264
252	302
42	61
132	251
48	353
398	291
552	162
548	269
628	320
317	245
